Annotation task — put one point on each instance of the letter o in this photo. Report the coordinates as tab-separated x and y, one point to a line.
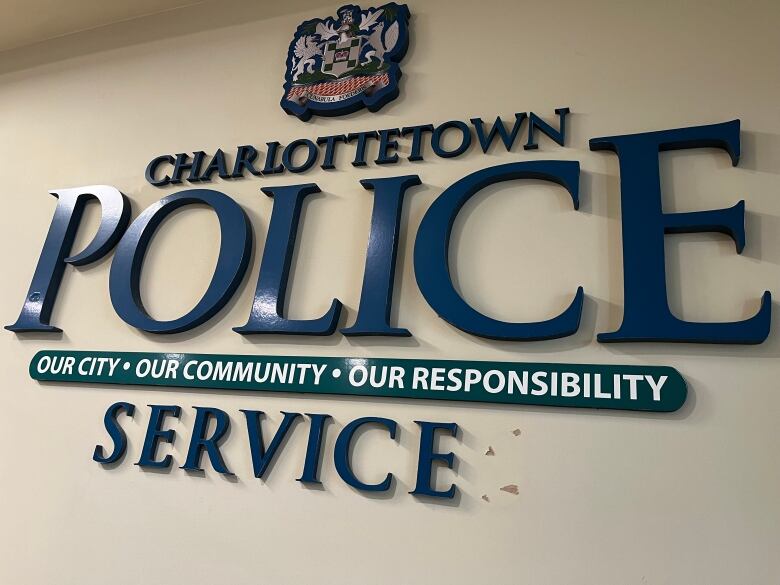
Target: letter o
364	376
465	142
501	381
235	249
289	153
143	367
40	361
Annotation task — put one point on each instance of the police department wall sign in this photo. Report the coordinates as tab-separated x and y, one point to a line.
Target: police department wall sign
339	65
336	65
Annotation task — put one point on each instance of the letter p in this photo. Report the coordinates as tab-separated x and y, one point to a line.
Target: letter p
56	253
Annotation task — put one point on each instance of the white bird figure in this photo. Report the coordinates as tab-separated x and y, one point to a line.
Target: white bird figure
378	47
368	19
306	48
326	31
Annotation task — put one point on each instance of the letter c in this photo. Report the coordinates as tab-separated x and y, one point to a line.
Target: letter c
342	451
431	254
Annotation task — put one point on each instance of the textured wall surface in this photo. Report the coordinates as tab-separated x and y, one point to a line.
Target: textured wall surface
603	498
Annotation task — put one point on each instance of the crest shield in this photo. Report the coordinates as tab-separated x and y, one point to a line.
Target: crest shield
340	58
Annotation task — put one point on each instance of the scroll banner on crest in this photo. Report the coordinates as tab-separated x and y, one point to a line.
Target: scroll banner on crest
335	91
643	388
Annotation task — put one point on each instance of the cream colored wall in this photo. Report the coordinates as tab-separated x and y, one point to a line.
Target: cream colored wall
604	498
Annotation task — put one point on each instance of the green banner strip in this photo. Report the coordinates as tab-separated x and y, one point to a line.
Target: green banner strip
647	388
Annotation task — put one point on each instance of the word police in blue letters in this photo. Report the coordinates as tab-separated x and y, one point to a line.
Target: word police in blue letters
647	316
263	453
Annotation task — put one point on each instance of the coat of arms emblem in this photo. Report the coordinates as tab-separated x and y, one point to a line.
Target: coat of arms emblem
337	65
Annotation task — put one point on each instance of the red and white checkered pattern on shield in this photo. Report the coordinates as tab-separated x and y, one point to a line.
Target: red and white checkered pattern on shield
335	88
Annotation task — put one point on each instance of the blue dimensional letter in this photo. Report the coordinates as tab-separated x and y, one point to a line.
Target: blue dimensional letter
155	435
115	432
341	453
115	215
261	458
428	456
376	298
508	138
438	133
431	254
234	251
268	306
646	316
311	464
535	121
199	443
152	168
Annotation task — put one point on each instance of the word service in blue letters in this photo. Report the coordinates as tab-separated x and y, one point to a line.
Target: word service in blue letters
263	452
